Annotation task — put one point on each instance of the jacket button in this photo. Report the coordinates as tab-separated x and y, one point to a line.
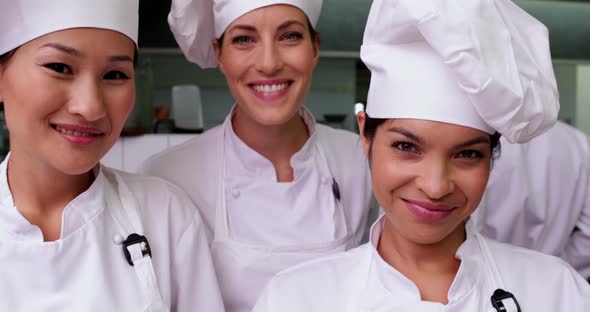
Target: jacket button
235	193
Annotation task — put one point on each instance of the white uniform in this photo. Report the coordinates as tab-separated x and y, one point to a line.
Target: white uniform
86	270
360	280
540	192
259	226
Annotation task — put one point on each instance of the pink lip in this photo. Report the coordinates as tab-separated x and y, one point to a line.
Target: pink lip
429	212
89	137
270	96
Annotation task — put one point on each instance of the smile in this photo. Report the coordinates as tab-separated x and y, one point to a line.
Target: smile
429	212
78	134
271	88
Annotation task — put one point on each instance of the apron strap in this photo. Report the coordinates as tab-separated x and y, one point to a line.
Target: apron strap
502	301
123	208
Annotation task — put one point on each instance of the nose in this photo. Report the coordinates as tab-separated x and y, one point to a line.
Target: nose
269	60
435	180
87	100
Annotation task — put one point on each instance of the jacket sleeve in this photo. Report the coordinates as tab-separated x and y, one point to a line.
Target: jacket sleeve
577	252
194	281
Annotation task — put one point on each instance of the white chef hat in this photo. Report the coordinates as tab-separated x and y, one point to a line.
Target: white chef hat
483	64
24	20
195	23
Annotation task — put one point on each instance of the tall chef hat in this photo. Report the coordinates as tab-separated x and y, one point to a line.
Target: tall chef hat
195	23
483	64
24	20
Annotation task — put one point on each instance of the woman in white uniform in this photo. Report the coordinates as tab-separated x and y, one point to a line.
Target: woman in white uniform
447	78
74	235
539	196
274	187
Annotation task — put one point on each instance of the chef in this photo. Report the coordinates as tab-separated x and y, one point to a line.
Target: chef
274	187
75	235
539	196
448	78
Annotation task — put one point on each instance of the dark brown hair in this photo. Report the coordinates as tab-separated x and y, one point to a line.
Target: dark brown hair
371	125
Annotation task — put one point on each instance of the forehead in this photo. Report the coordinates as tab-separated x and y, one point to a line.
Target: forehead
433	131
272	15
90	39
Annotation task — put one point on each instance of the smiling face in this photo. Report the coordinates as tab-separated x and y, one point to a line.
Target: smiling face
428	176
67	95
268	56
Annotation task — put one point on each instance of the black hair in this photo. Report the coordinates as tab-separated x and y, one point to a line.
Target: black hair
4	59
371	125
312	33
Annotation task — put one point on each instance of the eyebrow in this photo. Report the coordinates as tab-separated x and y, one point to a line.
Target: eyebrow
478	140
289	23
243	27
410	135
73	52
406	133
65	49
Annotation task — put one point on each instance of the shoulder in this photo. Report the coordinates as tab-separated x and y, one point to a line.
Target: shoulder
157	198
531	265
343	148
335	272
540	280
187	153
337	136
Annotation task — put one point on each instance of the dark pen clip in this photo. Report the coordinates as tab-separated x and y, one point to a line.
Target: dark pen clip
335	189
499	296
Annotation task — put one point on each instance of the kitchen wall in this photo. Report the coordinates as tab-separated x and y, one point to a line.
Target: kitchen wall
339	81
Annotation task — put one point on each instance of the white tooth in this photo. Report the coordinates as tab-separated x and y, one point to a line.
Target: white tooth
282	86
76	133
267	88
273	88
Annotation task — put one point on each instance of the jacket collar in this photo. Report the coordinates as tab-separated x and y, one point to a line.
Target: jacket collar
386	284
14	226
243	160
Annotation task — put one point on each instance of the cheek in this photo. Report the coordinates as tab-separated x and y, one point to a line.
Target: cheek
232	64
302	59
120	105
474	182
387	173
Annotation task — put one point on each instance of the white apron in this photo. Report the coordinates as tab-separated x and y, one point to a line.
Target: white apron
123	208
243	269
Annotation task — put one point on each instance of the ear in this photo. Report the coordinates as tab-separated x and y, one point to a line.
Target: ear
217	50
361	117
316	49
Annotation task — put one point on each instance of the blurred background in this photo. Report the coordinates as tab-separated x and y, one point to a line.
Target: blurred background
176	99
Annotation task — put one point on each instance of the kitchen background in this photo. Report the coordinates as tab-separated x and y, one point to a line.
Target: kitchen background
177	99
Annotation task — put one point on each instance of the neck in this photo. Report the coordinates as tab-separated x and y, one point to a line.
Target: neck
432	267
277	143
40	192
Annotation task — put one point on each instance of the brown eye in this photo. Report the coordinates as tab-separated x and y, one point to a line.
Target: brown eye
59	68
116	75
405	147
470	154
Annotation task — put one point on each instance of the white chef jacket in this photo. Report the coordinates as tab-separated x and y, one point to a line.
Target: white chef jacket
85	269
360	280
197	166
539	192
